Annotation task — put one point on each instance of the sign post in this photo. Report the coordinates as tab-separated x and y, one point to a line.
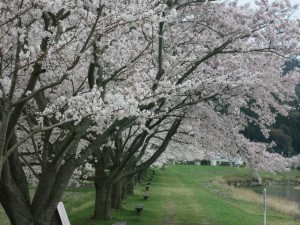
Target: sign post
63	214
265	206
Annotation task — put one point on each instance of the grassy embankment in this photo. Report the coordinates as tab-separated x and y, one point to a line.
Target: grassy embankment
184	195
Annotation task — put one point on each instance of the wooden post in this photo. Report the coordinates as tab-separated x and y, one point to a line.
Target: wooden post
265	206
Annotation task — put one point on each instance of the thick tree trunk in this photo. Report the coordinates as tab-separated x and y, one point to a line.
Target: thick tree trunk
103	201
16	208
103	188
117	195
14	194
141	175
16	204
14	190
21	215
129	185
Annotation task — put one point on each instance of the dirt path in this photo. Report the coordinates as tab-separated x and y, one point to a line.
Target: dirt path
182	204
170	209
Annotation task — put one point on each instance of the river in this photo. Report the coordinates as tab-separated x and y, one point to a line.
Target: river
287	191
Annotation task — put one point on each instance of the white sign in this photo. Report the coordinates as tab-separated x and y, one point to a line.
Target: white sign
63	214
265	206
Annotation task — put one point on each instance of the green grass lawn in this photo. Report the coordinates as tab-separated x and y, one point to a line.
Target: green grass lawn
179	195
182	195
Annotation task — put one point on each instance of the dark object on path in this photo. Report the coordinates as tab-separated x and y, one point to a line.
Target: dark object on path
147	187
146	196
139	208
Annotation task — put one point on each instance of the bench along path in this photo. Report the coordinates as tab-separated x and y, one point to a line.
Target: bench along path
181	204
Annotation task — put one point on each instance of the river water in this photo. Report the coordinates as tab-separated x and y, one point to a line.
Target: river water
287	191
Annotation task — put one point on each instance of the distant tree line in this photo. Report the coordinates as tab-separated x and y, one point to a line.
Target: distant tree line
286	131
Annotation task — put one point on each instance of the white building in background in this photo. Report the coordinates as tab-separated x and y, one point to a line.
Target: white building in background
237	161
221	161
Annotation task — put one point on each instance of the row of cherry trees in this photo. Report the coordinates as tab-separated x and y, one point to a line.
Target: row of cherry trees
116	84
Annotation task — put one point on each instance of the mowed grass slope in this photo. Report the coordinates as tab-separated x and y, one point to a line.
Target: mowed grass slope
184	195
179	195
214	203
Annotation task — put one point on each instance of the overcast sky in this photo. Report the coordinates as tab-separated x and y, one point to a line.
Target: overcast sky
297	14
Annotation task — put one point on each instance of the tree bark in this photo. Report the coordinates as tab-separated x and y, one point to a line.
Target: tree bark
129	185
117	195
103	188
103	202
18	208
15	206
14	199
141	175
14	193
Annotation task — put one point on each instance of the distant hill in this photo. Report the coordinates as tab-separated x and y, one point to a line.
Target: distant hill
286	131
290	65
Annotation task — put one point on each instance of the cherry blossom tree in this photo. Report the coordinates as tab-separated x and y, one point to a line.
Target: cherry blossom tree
76	76
226	89
55	94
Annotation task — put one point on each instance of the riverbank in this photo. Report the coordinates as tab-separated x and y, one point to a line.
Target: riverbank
186	195
289	177
278	204
180	195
